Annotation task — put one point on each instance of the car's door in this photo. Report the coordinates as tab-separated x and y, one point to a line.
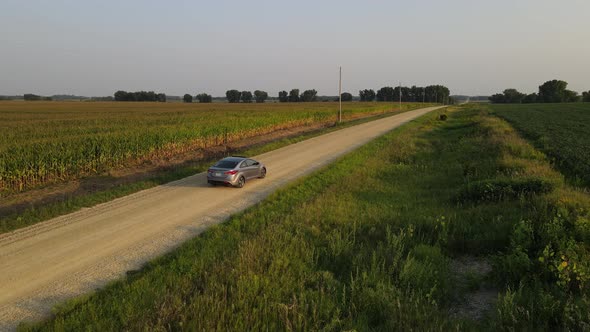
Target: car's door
248	168
254	167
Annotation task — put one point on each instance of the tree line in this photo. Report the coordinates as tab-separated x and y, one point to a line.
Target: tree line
139	96
201	97
429	94
554	91
33	97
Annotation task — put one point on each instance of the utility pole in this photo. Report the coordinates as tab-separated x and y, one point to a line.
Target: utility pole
400	96
340	96
423	95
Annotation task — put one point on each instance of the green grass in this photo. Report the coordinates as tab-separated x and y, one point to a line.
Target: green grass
71	203
366	244
560	130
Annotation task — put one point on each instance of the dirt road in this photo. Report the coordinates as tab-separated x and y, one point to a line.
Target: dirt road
47	263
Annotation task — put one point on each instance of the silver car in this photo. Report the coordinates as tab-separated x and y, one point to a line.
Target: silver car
235	171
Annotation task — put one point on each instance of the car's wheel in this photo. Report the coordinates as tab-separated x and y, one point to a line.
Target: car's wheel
241	182
262	173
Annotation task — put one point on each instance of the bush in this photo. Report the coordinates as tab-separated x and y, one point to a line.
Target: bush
502	189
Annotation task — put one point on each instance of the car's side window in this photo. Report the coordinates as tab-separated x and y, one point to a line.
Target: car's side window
250	162
243	164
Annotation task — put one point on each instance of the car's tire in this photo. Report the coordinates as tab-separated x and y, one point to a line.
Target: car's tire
241	182
262	173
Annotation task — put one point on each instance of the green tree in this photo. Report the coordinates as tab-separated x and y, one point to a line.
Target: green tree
416	94
530	98
437	93
161	97
246	96
512	96
367	95
346	96
586	96
553	91
294	95
204	98
31	97
385	94
309	95
570	96
283	96
187	98
233	96
497	98
260	96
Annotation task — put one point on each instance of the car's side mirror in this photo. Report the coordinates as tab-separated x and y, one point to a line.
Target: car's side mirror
256	163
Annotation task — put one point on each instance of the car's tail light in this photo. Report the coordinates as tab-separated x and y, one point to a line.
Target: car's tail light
232	172
210	171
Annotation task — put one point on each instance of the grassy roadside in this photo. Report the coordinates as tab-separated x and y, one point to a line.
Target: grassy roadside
72	203
370	242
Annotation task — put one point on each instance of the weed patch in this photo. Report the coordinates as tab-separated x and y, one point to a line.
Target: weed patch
495	190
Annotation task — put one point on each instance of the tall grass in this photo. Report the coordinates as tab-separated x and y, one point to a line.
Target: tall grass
366	244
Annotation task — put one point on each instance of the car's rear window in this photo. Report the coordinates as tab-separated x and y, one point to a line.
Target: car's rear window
226	164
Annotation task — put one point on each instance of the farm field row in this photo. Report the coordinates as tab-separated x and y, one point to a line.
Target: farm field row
48	142
438	225
560	130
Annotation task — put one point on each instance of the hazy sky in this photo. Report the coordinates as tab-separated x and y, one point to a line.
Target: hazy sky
474	47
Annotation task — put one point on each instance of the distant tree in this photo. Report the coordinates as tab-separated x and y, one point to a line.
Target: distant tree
139	96
385	94
512	96
367	95
416	94
260	96
187	98
346	96
586	96
31	97
553	91
294	95
283	96
233	96
309	95
570	96
437	93
405	91
530	98
246	96
120	95
204	98
498	98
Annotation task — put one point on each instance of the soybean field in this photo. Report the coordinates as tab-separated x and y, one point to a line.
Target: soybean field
560	130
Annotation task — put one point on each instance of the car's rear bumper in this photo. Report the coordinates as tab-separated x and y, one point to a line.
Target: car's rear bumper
231	179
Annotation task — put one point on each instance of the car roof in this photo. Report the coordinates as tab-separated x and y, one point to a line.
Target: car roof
235	158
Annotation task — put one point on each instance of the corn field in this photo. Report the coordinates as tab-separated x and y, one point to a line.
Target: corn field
48	142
